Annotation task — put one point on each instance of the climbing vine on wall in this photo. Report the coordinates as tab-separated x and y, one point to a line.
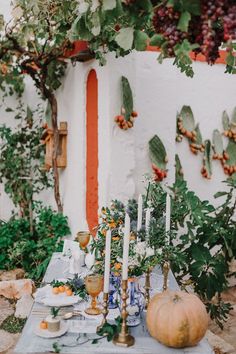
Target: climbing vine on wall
211	150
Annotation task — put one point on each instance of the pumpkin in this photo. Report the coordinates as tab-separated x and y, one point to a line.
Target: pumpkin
177	319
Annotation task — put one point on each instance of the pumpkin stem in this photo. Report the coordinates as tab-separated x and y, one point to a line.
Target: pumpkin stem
176	298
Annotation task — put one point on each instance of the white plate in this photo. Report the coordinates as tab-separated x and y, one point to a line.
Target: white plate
44	333
46	297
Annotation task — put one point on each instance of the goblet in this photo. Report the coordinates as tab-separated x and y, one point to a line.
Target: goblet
94	285
83	238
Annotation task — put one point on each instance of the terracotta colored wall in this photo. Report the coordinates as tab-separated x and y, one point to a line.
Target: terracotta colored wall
92	150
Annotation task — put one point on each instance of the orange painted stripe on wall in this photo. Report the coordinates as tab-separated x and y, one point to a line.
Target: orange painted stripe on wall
92	151
199	57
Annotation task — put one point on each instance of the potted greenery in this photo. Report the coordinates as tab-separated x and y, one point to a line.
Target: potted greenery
53	320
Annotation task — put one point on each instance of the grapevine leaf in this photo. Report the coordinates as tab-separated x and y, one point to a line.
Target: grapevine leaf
208	157
108	4
127	97
184	19
157	40
125	38
187	116
225	121
140	40
218	142
157	152
192	6
146	5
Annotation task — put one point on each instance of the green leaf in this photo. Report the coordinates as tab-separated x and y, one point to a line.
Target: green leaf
157	40
127	97
140	40
192	6
108	4
220	194
125	38
183	23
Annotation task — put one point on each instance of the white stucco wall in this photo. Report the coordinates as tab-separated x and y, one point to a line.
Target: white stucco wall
160	90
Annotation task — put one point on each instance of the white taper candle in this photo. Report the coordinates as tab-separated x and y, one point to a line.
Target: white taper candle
147	221
140	212
168	205
126	248
107	262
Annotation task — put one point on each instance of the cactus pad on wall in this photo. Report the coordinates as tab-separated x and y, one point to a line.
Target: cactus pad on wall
157	153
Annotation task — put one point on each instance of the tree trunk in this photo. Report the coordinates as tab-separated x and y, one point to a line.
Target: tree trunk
53	102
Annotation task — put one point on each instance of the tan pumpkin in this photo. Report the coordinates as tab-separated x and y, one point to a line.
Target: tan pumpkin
177	319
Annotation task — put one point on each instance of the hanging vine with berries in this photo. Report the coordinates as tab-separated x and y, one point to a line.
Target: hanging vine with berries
214	150
125	119
178	27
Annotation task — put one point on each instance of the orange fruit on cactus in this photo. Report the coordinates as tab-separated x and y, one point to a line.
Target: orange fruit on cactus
69	292
177	319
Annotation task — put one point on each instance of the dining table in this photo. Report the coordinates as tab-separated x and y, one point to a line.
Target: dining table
83	341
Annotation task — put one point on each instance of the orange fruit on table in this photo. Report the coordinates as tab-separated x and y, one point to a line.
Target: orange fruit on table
61	289
55	290
43	324
117	266
67	287
69	292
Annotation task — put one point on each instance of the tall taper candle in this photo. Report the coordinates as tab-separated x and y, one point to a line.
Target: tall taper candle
168	212
107	262
126	248
140	212
147	221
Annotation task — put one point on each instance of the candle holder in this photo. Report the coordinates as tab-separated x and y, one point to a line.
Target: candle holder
147	288
124	339
165	270
104	310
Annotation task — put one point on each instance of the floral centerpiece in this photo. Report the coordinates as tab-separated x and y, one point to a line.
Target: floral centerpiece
141	255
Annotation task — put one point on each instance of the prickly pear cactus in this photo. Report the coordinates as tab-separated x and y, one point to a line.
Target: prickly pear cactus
217	145
179	174
206	170
126	119
157	153
230	163
230	126
186	123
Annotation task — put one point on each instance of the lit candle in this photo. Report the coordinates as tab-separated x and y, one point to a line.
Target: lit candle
168	212
126	248
147	221
107	262
140	212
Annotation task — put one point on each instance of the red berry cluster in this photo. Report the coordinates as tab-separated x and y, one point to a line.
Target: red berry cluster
215	24
159	174
123	123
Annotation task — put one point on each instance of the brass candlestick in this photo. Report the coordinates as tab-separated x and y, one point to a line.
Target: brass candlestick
165	270
147	288
104	310
124	339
